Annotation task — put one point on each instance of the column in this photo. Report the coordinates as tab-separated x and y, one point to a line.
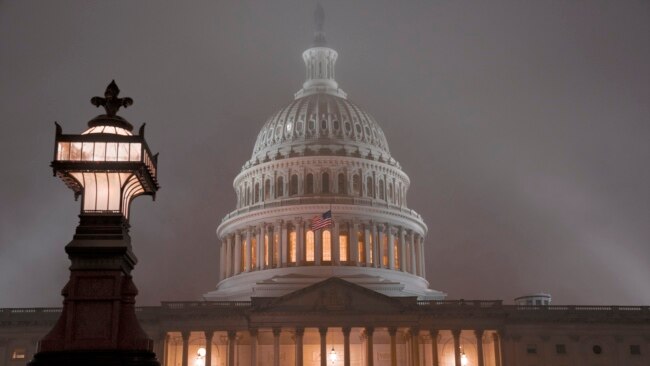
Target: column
415	346
346	346
402	249
479	346
185	335
284	240
229	260
237	261
249	252
367	244
208	347
380	245
276	346
456	334
254	341
318	247
336	247
376	255
300	242
222	260
277	245
260	248
497	348
393	346
159	347
300	332
421	246
370	353
323	346
269	253
353	243
434	347
413	262
232	338
391	250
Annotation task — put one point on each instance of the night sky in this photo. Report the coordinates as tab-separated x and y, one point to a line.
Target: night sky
523	125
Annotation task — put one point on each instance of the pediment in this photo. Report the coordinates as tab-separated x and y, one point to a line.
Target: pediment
334	295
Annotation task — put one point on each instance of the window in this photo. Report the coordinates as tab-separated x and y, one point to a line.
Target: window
384	250
309	183
597	349
356	185
267	189
276	249
292	244
253	251
560	349
257	192
369	190
19	354
531	349
396	253
343	246
293	185
361	246
280	187
327	245
309	246
266	250
390	192
635	349
341	187
325	183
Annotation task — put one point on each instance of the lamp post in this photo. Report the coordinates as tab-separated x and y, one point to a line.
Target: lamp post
333	356
107	166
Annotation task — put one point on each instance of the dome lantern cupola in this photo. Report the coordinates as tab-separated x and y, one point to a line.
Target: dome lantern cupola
319	62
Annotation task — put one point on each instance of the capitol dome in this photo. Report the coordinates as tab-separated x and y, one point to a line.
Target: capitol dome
321	197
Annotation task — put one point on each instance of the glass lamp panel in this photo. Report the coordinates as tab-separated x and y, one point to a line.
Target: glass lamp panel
115	187
102	188
87	151
100	151
123	151
327	245
111	151
136	151
90	191
75	151
63	151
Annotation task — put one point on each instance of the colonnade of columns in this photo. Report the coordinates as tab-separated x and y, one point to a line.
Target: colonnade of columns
293	243
415	355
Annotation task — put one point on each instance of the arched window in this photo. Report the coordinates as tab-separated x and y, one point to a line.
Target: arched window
325	183
293	185
257	192
327	245
369	187
291	233
280	187
361	245
341	184
309	246
356	185
267	190
381	190
253	251
309	183
390	192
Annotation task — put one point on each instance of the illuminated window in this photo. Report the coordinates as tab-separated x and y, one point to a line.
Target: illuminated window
361	246
253	251
242	255
276	249
266	249
19	354
384	250
396	252
343	246
325	183
309	246
293	185
309	183
371	249
280	187
369	187
327	245
341	183
292	244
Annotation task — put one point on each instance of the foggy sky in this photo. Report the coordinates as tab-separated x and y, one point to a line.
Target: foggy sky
523	125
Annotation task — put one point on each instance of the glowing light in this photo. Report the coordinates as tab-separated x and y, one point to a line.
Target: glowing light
463	359
201	352
333	357
200	357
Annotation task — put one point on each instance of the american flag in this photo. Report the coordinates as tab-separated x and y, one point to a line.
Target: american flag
322	221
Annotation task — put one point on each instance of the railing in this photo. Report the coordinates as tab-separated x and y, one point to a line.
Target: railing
324	200
540	308
181	305
468	303
29	310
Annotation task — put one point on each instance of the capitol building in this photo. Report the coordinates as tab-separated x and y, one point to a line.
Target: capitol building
322	263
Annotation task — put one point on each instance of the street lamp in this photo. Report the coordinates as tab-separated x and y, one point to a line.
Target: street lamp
200	357
333	357
463	358
107	166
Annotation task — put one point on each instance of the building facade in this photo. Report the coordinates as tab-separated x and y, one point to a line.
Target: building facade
322	263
